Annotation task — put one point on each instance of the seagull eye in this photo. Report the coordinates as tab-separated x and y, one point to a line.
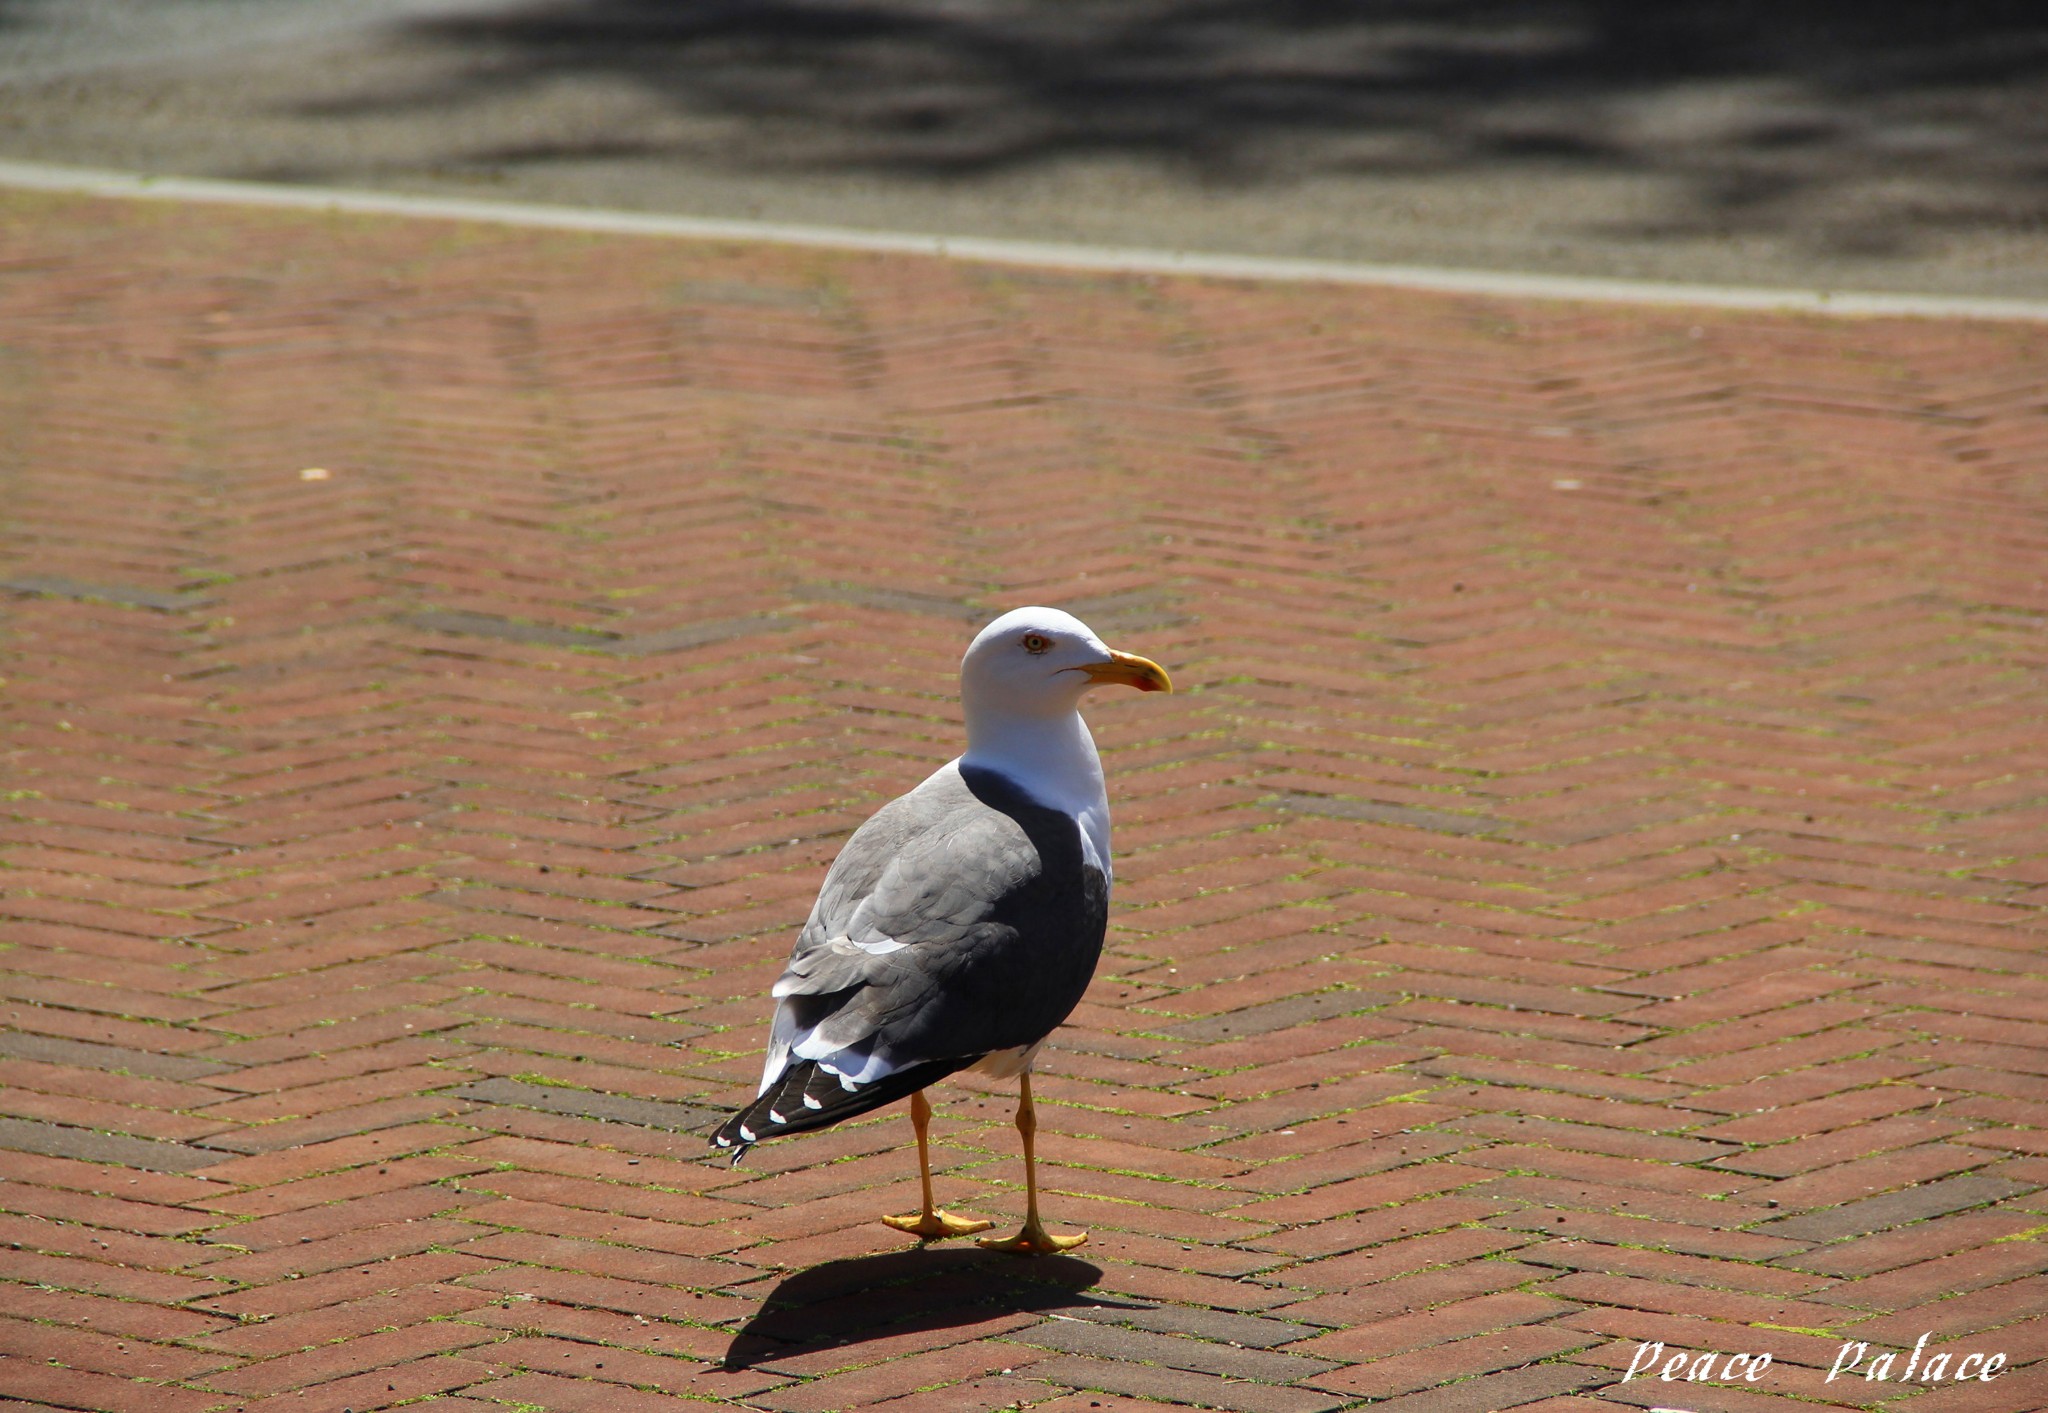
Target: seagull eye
1036	643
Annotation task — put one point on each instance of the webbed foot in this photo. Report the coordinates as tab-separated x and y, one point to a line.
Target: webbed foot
1033	1240
937	1225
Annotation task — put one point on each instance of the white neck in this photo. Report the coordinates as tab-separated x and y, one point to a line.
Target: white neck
1052	758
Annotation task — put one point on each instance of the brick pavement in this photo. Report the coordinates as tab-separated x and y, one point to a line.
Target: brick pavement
1589	890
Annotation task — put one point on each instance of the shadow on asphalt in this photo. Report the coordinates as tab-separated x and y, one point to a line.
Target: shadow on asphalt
843	1303
1936	115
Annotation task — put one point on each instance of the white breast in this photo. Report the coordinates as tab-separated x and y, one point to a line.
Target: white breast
1055	763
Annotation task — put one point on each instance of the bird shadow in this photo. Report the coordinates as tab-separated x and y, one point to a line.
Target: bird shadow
850	1302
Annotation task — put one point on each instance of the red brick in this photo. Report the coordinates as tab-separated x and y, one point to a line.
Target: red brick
42	1384
103	1353
671	1374
287	831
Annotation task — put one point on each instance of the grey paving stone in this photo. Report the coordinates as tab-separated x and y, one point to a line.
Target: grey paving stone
86	1054
586	1104
1380	812
1276	1015
92	1146
1182	1386
1172	1351
1894	1209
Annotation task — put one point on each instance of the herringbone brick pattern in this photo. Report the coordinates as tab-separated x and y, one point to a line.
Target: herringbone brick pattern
1589	890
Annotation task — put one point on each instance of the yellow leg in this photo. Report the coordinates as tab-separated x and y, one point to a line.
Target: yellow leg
931	1224
1034	1239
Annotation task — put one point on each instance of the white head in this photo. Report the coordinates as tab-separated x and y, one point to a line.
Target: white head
1021	684
1037	663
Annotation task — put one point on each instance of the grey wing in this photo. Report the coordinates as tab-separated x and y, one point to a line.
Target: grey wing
959	921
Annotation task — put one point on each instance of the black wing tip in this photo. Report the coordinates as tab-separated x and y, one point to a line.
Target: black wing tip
763	1119
733	1136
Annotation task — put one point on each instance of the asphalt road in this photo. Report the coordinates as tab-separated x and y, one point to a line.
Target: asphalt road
1803	143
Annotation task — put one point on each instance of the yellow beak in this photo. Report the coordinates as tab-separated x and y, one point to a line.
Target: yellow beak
1130	670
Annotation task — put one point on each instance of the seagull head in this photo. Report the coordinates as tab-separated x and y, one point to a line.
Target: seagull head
1039	662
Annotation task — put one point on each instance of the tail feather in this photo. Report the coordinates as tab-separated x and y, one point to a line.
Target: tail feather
806	1097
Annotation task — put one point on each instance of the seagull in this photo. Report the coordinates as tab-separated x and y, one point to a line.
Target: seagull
959	926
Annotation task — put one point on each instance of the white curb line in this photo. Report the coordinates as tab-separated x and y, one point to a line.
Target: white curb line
1043	254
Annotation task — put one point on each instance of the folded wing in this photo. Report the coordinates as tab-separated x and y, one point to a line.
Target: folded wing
961	920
